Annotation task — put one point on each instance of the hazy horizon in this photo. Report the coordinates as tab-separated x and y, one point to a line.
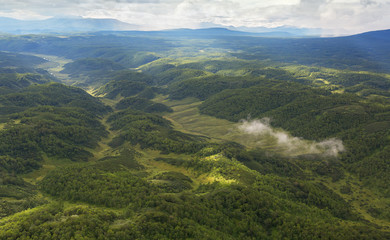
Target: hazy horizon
331	17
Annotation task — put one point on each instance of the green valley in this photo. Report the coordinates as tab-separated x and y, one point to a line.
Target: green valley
165	135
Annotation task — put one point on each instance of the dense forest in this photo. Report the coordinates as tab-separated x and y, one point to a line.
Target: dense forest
194	135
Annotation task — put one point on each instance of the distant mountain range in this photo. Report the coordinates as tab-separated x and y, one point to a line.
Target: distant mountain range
62	25
79	24
282	31
198	33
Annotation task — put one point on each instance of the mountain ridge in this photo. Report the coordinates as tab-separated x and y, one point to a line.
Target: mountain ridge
62	25
79	24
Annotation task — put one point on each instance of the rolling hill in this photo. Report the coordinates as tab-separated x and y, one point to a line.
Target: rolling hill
210	135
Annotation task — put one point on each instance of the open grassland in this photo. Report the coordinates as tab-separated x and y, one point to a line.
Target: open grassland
55	65
186	118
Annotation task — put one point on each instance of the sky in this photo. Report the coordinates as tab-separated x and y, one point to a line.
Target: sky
334	17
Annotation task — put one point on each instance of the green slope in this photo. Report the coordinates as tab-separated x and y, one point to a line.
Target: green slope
170	160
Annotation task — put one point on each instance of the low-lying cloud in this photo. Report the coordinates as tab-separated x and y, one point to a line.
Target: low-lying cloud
261	131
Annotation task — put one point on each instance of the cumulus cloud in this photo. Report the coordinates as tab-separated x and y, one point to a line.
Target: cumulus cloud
23	15
334	16
262	132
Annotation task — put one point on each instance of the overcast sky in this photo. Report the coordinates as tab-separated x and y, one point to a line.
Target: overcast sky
334	16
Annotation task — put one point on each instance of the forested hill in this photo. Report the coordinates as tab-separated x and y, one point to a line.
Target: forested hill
194	134
369	51
375	35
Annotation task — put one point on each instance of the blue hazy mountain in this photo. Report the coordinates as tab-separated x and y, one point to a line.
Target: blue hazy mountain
78	24
62	25
380	35
202	32
281	31
215	32
221	31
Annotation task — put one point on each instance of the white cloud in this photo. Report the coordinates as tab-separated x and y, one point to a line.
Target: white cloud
336	16
263	134
23	15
